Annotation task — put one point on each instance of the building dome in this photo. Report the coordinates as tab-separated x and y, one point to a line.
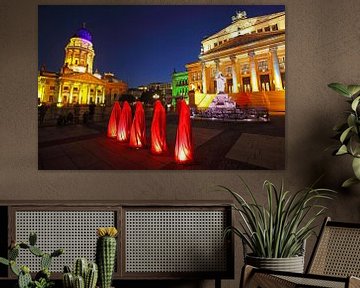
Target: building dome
84	33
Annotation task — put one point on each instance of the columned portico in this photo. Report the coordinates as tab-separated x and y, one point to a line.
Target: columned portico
253	73
234	76
276	69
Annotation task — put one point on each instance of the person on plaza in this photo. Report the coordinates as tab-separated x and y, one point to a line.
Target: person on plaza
138	132
124	125
184	150
114	120
158	129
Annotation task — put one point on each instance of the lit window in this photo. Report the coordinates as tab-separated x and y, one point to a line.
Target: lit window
228	71
245	69
274	27
263	65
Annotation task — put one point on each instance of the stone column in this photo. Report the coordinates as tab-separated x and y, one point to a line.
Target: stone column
276	69
88	94
103	95
234	76
71	93
60	93
217	64
203	71
253	73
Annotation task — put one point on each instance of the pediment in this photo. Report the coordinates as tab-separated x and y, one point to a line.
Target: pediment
83	77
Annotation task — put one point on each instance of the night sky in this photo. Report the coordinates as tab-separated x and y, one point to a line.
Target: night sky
140	44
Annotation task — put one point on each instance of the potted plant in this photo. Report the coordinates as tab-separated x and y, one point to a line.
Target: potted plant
276	233
349	132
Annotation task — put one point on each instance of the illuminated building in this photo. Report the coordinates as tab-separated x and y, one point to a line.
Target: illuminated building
180	86
76	83
250	53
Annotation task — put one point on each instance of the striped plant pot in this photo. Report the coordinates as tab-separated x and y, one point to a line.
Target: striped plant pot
291	264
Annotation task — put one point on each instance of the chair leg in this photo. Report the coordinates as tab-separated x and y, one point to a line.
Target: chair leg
246	273
250	278
354	282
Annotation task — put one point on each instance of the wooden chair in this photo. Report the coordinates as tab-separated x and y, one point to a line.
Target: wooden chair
334	263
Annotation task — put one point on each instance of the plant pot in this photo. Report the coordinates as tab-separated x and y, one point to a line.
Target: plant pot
291	264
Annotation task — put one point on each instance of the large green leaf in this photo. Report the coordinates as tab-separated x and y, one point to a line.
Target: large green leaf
353	90
342	150
356	167
349	182
340	88
351	120
355	103
345	134
354	146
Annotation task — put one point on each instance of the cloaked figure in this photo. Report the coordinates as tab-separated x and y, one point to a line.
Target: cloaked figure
137	132
184	150
123	132
158	129
114	120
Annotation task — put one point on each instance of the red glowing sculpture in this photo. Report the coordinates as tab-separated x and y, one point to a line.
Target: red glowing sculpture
137	132
184	151
158	129
124	125
114	120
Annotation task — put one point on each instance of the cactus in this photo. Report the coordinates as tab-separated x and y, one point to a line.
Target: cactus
13	253
79	282
42	278
36	251
80	267
14	268
4	261
45	261
105	254
87	272
24	280
91	276
32	239
68	280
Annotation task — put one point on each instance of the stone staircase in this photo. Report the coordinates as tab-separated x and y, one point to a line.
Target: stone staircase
273	100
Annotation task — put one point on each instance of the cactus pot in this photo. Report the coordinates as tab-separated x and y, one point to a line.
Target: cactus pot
291	264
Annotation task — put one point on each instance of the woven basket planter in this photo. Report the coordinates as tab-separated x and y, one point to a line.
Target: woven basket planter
291	264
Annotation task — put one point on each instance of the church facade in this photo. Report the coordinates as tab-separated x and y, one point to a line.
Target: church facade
250	54
76	83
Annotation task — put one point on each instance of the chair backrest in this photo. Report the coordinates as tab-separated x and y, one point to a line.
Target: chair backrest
337	251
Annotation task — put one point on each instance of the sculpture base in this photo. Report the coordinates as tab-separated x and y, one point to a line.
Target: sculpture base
222	100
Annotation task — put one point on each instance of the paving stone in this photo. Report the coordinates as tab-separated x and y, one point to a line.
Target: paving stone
260	150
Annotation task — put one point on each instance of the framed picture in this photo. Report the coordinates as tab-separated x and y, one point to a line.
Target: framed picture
161	87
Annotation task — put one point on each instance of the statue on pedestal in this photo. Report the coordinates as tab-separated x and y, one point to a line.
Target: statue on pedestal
220	83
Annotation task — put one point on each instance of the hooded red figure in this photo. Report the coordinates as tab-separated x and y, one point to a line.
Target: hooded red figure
184	152
137	132
158	129
124	125
114	120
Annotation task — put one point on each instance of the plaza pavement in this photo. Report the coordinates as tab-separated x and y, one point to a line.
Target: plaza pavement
218	145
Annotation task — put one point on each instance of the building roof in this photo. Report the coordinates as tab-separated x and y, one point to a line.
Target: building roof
244	39
84	33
